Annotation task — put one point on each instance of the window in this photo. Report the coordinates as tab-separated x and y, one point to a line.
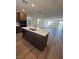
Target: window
29	20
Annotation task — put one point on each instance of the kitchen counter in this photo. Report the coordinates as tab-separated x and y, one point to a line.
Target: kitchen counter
17	25
18	28
42	32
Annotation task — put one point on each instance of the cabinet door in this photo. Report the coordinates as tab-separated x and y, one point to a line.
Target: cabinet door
39	41
23	16
17	16
24	33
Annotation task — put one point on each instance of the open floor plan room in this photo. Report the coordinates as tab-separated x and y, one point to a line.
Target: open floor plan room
39	29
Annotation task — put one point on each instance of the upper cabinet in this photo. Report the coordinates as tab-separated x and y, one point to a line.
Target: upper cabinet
17	16
21	16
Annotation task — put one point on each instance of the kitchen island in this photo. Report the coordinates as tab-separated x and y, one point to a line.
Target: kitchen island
36	36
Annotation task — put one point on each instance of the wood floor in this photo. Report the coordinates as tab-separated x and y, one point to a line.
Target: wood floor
54	49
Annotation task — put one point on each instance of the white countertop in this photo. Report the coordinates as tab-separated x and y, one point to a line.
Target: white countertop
17	24
39	31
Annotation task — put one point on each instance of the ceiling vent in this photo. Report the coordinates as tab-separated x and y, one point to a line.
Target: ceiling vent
24	1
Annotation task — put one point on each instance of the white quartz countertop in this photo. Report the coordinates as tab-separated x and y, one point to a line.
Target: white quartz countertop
38	30
17	24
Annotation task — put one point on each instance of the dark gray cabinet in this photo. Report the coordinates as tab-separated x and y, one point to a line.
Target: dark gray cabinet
36	40
18	29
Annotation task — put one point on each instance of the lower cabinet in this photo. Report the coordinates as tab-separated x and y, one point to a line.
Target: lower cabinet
18	29
36	40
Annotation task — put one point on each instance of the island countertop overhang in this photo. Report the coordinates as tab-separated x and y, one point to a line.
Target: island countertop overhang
40	31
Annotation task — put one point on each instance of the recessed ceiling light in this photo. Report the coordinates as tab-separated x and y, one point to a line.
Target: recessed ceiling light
23	9
33	5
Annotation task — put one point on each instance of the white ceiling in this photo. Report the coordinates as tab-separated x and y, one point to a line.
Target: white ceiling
45	7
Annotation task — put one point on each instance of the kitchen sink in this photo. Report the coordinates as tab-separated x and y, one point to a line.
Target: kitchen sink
32	29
